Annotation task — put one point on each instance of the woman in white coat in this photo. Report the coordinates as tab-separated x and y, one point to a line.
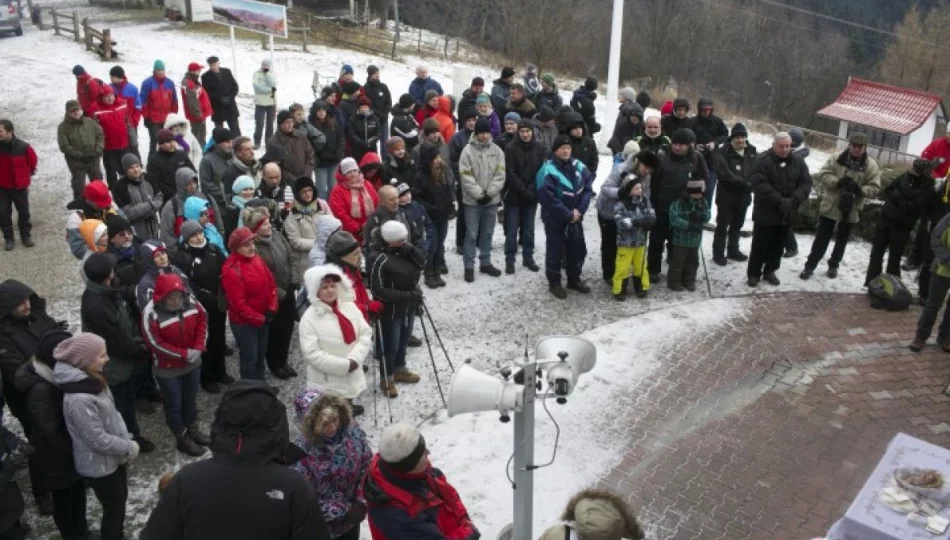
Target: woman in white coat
335	338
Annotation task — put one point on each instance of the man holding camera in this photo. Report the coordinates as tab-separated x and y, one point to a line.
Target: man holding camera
844	183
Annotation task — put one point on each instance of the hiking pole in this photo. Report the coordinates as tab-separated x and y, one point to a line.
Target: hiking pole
435	372
437	336
375	385
382	363
705	271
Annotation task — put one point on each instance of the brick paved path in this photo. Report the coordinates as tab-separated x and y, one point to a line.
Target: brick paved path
768	427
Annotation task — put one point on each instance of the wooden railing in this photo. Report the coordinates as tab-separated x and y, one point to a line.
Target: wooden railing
81	31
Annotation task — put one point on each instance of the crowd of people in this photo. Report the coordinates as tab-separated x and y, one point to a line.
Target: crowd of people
335	226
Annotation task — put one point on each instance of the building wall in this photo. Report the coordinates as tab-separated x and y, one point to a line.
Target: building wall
918	140
843	134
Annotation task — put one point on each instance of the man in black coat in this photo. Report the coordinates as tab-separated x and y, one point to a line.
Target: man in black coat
23	321
524	157
668	183
381	101
14	450
781	183
733	162
678	119
583	147
129	266
247	490
50	438
222	91
583	102
467	101
705	119
163	165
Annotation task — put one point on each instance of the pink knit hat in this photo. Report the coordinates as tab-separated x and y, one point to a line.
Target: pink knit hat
80	350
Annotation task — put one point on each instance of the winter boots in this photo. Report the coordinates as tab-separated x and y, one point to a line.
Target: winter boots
197	436
489	269
187	445
431	280
406	376
806	273
558	291
737	256
918	344
771	279
388	388
469	275
720	260
531	265
579	286
509	268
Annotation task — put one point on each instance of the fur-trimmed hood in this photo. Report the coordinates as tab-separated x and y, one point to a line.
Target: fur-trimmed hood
601	515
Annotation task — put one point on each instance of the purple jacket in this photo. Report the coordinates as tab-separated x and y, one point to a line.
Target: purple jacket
495	125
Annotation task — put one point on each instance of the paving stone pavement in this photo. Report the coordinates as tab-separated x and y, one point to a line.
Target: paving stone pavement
768	427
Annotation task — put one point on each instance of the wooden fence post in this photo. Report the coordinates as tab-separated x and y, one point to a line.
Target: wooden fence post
457	41
107	44
392	53
76	35
55	22
419	45
305	30
86	34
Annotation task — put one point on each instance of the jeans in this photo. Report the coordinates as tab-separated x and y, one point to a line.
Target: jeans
234	126
325	180
181	400
659	234
729	221
19	199
939	286
383	136
112	491
263	122
252	346
768	243
561	236
396	333
519	218
480	225
608	248
630	259
888	238
124	396
69	511
213	364
826	228
437	245
281	332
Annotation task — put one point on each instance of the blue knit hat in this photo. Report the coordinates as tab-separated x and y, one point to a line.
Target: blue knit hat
512	117
346	69
241	183
158	66
78	70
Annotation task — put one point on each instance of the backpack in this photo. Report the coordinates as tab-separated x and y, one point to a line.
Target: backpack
889	293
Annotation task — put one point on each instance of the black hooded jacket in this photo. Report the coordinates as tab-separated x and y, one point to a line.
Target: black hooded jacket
11	499
106	313
523	160
668	183
246	491
203	268
20	337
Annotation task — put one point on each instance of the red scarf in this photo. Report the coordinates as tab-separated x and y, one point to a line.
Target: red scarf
349	333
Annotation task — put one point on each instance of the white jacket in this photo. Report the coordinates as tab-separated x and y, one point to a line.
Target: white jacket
195	152
321	339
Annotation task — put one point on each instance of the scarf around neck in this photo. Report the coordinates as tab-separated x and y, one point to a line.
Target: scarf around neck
346	327
360	208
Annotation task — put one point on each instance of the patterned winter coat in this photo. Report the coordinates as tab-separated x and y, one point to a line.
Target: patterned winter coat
641	216
683	231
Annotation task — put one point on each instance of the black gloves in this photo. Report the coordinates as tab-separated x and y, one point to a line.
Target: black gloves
355	515
786	206
844	181
697	216
15	461
415	296
406	249
855	189
268	317
486	199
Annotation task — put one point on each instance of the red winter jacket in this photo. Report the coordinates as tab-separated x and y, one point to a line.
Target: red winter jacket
130	94
114	120
189	84
341	205
17	164
88	89
158	99
938	151
169	334
425	505
250	289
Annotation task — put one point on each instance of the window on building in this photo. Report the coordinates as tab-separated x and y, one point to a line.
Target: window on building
877	137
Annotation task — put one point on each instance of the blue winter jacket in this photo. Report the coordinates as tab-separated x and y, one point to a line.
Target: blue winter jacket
194	206
563	188
419	87
419	221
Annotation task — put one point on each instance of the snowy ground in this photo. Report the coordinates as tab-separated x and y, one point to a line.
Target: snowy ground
485	322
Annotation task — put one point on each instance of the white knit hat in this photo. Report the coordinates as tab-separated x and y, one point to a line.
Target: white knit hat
401	446
394	231
347	165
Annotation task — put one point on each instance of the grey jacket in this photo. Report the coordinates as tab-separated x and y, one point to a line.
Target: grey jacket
303	232
101	441
634	218
276	254
176	207
210	172
482	171
140	204
608	196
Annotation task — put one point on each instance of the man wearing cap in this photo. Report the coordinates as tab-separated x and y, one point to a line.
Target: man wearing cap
128	92
547	126
23	321
582	101
158	100
781	182
197	103
733	162
222	91
17	166
482	177
137	199
422	84
583	146
501	88
163	165
548	96
679	119
300	159
265	102
87	87
844	183
81	140
407	497
130	265
381	101
215	163
677	167
173	211
468	98
362	130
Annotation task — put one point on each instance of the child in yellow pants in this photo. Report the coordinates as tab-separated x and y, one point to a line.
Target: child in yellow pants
634	217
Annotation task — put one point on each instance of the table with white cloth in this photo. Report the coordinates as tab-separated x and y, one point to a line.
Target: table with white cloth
869	518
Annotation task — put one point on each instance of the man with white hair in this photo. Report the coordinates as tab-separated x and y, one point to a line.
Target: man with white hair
406	497
781	183
422	84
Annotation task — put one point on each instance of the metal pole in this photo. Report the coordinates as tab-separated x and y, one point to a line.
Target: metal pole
270	40
524	457
234	62
613	71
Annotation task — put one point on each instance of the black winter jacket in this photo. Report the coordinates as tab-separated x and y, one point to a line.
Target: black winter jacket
548	99
713	125
203	268
11	499
49	436
129	269
669	182
583	102
402	171
162	167
246	490
105	313
660	143
222	90
393	275
362	132
733	171
670	123
522	163
624	130
333	150
908	198
379	96
20	337
773	180
585	151
404	125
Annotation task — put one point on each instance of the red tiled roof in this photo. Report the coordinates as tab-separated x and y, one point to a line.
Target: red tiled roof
882	106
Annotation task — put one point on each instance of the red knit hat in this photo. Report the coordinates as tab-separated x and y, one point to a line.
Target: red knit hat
165	284
239	237
97	192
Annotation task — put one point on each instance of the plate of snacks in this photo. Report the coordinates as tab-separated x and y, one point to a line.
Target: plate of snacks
926	482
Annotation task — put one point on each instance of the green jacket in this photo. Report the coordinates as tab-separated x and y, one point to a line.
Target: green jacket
683	231
864	171
940	244
80	140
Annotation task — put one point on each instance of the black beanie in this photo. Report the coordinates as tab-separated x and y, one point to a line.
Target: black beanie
283	115
683	136
371	69
525	123
470	112
482	125
47	344
116	224
560	141
507	72
117	71
406	101
98	267
221	134
703	136
546	114
478	82
591	83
